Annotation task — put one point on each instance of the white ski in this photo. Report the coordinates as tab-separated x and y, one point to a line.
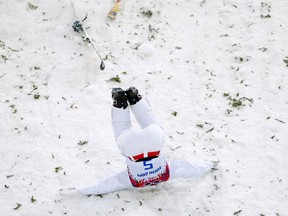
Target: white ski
116	8
78	27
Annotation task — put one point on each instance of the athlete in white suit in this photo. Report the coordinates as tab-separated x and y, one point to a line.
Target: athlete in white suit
142	148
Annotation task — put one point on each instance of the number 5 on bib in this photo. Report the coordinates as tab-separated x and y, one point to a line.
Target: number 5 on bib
147	165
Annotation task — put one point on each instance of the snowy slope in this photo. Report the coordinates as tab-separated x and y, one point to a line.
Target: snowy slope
214	71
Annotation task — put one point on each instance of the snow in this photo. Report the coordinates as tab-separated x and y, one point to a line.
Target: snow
193	60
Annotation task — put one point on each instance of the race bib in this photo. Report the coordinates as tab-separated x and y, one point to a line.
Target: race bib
148	172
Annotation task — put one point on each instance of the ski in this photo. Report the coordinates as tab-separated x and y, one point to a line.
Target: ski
78	27
113	12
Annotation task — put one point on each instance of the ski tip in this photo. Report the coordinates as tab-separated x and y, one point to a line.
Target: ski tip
102	65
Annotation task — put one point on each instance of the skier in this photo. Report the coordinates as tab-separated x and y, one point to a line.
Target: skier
142	148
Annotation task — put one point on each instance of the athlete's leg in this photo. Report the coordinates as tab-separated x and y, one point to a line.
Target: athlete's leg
120	120
144	114
141	109
120	112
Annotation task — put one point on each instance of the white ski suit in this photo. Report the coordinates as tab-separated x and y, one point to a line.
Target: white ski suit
137	144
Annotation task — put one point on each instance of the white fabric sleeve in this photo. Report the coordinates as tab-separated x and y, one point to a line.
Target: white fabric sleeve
113	183
184	169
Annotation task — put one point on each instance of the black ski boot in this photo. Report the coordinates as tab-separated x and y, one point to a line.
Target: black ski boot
120	98
133	95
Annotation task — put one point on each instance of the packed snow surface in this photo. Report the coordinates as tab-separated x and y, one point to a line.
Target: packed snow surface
215	72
